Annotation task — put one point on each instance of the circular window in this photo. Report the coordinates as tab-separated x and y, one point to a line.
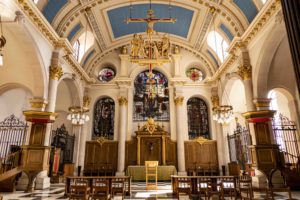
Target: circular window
106	75
195	74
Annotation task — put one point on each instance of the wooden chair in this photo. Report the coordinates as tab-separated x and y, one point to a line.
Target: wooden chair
80	190
184	185
118	187
202	187
215	188
229	187
151	172
100	189
247	191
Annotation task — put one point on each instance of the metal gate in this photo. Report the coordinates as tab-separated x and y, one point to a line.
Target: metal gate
285	135
238	144
12	135
61	139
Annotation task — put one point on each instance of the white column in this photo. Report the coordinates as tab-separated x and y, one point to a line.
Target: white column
122	136
180	141
78	138
176	62
82	143
55	73
249	94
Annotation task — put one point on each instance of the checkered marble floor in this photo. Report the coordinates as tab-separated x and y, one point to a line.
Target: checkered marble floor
164	191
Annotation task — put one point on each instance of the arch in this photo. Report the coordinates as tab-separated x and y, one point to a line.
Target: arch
86	41
103	118
198	118
138	70
263	63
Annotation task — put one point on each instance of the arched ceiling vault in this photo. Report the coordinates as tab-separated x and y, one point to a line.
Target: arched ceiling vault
105	20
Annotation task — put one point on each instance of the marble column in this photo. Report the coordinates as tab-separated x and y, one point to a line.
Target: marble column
122	136
77	132
55	73
245	73
180	141
82	142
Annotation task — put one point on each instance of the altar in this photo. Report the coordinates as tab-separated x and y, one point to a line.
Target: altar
138	173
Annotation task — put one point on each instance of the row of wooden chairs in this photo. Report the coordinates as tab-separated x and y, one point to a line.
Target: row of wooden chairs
226	186
207	187
101	189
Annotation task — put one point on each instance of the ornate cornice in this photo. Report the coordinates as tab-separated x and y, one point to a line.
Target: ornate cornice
37	18
179	100
122	101
269	10
55	72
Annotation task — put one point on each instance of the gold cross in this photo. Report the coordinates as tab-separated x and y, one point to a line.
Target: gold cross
150	20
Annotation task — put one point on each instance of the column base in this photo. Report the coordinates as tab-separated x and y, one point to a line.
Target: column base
120	173
259	180
22	182
42	181
181	173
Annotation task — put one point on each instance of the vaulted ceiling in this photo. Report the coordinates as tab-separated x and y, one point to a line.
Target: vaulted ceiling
105	19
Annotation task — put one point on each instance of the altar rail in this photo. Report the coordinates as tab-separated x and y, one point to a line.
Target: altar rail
70	180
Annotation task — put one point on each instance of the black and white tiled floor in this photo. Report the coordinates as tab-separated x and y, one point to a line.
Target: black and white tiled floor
56	191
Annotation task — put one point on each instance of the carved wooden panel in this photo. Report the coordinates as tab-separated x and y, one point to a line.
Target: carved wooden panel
131	152
101	157
151	149
263	133
171	152
204	155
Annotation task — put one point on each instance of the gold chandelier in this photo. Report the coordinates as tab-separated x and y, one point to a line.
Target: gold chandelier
77	114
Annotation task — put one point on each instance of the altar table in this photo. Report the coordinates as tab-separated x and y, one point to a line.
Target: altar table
138	172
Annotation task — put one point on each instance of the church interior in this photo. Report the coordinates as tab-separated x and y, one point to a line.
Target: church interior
142	99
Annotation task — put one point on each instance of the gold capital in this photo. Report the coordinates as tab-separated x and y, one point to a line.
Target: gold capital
215	101
122	101
178	101
86	102
56	72
244	72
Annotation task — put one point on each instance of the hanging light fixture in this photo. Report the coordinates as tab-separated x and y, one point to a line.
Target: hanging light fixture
77	115
2	43
223	114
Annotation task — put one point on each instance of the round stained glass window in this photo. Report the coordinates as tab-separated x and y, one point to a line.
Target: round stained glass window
195	74
106	75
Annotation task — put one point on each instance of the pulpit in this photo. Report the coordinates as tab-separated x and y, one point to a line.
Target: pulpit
151	143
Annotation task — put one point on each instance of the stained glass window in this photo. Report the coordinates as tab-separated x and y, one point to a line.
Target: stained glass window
195	74
106	74
151	97
197	118
104	113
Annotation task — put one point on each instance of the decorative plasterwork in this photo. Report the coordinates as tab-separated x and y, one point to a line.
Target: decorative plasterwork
269	10
179	101
122	101
93	22
30	9
55	72
202	33
201	140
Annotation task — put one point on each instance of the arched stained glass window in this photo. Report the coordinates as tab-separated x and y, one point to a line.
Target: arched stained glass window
106	74
104	113
197	118
151	97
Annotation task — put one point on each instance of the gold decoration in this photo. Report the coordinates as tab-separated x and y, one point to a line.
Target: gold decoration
122	101
215	101
41	116
101	140
38	103
55	73
245	72
201	140
86	102
179	101
151	127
